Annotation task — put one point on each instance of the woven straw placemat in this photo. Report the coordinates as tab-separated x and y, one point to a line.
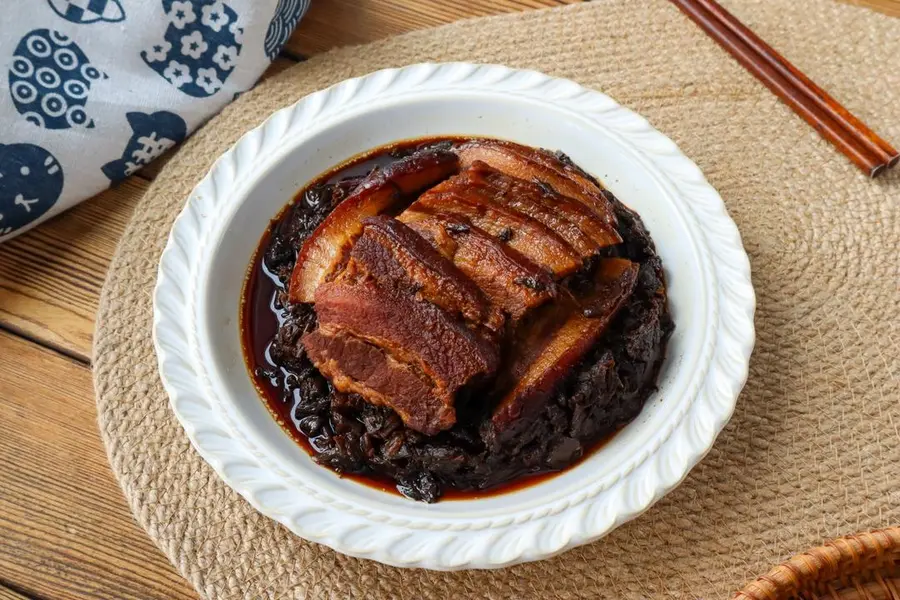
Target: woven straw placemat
813	450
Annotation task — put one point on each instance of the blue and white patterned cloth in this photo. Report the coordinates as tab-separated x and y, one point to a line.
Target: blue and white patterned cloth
99	88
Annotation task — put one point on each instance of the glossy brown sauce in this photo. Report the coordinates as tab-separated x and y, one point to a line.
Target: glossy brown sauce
259	322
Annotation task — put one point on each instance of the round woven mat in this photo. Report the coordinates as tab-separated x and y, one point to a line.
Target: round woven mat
813	450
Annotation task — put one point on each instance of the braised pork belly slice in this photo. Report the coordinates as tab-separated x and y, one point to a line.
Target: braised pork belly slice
355	366
534	240
542	167
547	349
412	333
576	223
380	192
510	282
396	256
524	198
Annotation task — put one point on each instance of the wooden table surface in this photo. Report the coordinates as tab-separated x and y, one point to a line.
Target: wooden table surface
65	529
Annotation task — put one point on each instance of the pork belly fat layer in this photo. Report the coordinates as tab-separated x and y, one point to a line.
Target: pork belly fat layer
571	219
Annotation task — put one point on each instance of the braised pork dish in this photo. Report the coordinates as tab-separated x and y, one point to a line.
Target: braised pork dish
455	314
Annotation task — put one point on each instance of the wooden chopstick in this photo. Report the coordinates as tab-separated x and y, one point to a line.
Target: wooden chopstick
805	84
834	122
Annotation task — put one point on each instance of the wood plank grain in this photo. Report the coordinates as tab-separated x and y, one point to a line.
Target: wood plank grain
65	528
888	7
333	23
8	594
50	277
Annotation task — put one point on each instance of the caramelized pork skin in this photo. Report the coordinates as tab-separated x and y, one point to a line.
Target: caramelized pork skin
571	219
400	255
382	190
510	282
531	238
542	167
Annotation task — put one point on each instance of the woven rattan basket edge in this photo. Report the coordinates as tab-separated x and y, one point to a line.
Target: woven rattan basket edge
862	566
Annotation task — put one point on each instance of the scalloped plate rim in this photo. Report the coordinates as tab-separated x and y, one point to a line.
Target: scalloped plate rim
736	378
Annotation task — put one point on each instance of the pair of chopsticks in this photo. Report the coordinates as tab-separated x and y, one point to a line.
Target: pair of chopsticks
834	122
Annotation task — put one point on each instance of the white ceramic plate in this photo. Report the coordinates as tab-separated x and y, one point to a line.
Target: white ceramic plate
198	292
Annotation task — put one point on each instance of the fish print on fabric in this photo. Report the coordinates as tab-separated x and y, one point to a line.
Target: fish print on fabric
151	136
287	14
49	80
200	48
88	11
31	180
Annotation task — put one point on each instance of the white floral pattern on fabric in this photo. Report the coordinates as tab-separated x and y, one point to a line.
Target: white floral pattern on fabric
177	74
181	14
208	79
158	52
193	45
214	16
151	147
237	32
197	44
225	57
